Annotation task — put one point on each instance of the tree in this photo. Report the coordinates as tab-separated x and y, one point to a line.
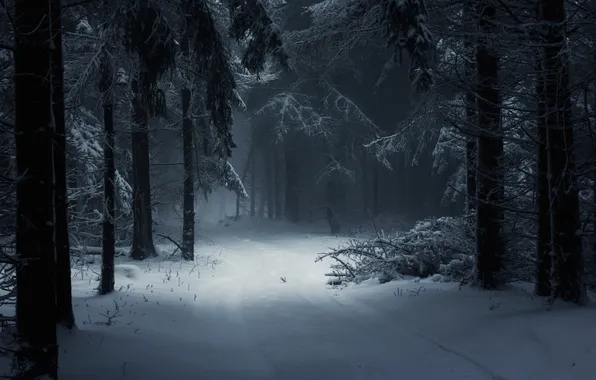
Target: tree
105	84
149	39
566	244
35	237
543	247
188	188
470	110
65	315
489	192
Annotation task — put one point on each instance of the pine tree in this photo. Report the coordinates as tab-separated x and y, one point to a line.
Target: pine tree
566	244
188	188
35	237
543	245
65	315
105	84
148	38
489	192
470	109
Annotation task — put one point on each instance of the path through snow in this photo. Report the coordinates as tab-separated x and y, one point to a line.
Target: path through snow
239	320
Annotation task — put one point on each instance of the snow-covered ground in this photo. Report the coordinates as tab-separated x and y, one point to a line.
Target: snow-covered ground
255	306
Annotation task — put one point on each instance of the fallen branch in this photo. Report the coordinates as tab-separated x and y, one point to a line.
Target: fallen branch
178	247
434	246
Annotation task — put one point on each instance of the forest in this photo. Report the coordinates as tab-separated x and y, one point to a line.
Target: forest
431	142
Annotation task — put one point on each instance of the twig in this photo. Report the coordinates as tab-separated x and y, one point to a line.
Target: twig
178	247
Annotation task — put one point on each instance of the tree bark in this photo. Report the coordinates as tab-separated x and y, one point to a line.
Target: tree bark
270	185
253	179
543	247
470	119
594	181
292	204
244	174
364	183
108	252
331	207
566	244
263	191
489	192
65	315
188	187
36	312
108	227
277	182
375	189
188	219
142	240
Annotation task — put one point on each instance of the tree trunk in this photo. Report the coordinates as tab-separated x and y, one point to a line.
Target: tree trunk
292	205
566	248
489	192
594	182
188	218
263	191
108	252
331	208
364	183
277	182
36	312
188	187
109	178
142	240
270	185
470	120
243	179
253	181
376	205
543	259
65	315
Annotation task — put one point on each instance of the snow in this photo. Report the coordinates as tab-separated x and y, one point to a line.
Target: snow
230	316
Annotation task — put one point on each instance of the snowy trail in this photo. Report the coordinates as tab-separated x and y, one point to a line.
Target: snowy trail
239	320
298	329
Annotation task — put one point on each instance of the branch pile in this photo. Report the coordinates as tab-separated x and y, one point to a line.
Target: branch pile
438	247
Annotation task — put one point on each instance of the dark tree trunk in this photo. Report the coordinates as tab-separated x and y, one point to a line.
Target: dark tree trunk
567	265
470	120
270	185
109	179
543	247
489	192
330	209
277	182
253	172
594	182
375	189
263	190
292	186
364	183
471	143
253	181
65	315
188	218
244	174
36	312
188	187
142	239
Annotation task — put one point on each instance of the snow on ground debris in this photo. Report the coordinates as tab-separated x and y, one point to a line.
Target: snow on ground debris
255	306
